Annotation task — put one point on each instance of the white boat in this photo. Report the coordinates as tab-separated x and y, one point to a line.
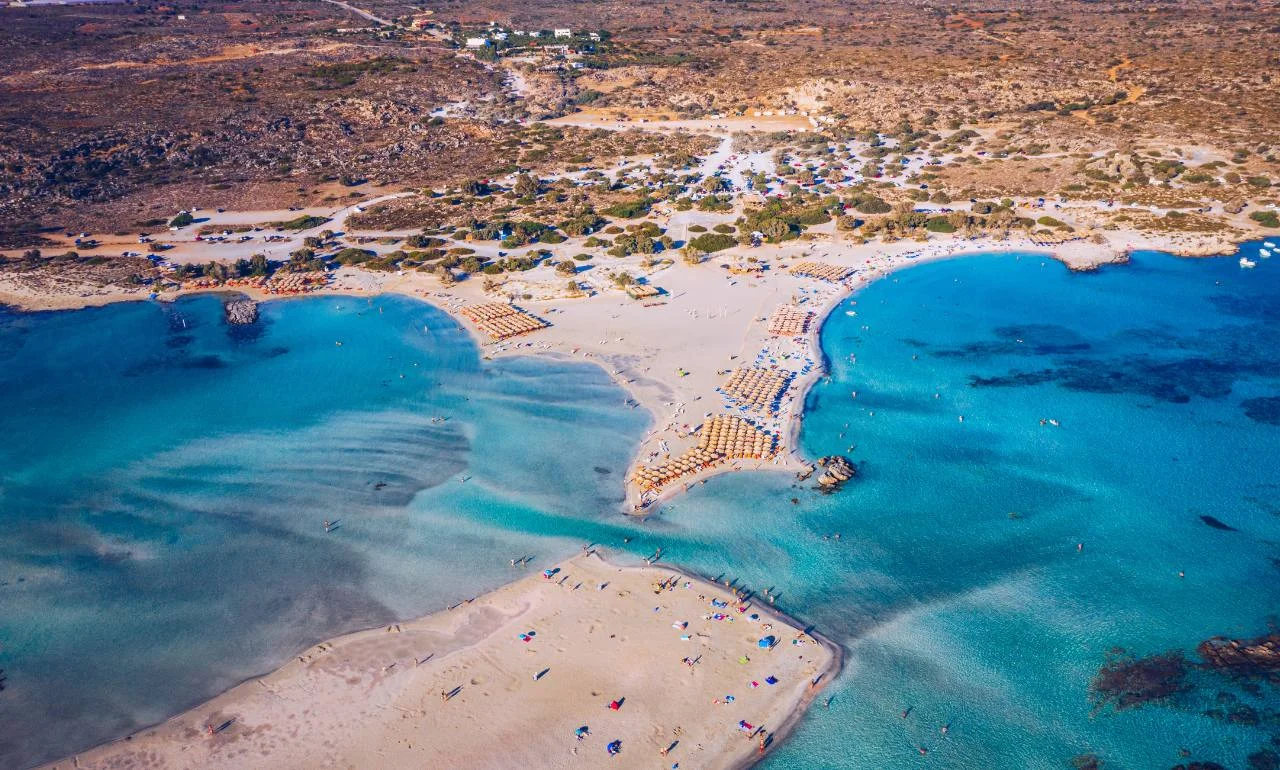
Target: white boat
1264	253
1269	244
1246	262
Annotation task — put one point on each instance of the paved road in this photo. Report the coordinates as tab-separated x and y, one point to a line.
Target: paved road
359	12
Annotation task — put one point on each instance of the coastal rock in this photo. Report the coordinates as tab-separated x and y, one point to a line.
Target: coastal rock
1247	658
836	471
241	312
1126	682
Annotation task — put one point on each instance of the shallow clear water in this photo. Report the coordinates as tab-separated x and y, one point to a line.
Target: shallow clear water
997	624
164	482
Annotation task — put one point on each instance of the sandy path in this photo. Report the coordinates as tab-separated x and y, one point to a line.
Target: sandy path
360	13
379	698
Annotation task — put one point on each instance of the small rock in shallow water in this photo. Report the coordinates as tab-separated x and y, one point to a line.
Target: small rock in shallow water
241	312
1218	524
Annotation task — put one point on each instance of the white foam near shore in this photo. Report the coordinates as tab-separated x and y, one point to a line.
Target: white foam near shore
509	679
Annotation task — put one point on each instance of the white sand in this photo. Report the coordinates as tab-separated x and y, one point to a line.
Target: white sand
672	353
374	698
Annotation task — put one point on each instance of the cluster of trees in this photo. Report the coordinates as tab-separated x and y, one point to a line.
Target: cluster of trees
708	243
905	221
256	266
783	219
645	238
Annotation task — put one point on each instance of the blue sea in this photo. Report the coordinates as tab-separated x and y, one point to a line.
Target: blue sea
164	480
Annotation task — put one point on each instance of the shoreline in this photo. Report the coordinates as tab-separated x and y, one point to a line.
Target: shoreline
398	698
631	364
801	387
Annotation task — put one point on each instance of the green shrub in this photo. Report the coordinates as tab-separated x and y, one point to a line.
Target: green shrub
353	256
1049	221
710	242
304	222
1266	218
630	209
873	205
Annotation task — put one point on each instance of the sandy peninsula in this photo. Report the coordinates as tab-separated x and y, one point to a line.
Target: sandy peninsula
521	677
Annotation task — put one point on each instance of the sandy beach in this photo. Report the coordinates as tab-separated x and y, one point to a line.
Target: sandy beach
674	353
510	678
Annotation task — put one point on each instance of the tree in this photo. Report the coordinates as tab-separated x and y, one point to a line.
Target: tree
217	271
566	267
623	280
259	266
476	188
774	228
712	185
182	220
527	186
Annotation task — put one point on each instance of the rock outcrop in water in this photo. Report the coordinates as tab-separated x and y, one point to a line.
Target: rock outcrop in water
1258	657
836	471
1127	682
241	312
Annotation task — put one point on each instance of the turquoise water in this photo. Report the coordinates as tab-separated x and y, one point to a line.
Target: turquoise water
164	480
996	625
163	483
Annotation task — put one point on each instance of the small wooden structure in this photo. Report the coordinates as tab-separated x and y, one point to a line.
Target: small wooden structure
643	291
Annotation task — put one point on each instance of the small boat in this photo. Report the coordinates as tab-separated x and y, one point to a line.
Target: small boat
1264	253
1054	423
1246	262
1270	244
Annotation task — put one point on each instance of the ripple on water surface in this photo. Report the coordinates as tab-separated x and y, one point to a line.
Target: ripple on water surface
162	509
166	488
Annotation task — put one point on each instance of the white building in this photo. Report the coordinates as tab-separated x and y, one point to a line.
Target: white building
564	33
499	36
476	42
595	36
